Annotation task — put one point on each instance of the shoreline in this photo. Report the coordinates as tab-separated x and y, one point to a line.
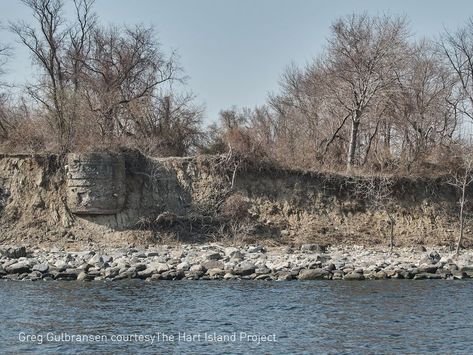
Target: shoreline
249	262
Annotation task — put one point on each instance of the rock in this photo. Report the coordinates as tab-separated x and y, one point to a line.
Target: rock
459	275
419	249
230	251
468	270
330	267
284	276
35	275
213	256
161	267
95	260
427	269
61	265
139	267
313	274
256	249
313	248
197	268
427	276
66	275
84	277
194	275
229	276
183	266
354	276
405	274
43	267
262	270
431	258
215	272
380	275
172	275
124	275
337	275
14	252
18	268
245	268
111	273
213	264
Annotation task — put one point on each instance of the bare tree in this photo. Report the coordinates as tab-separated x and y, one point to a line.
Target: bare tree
49	41
4	115
124	68
168	125
377	192
422	112
457	48
364	58
461	179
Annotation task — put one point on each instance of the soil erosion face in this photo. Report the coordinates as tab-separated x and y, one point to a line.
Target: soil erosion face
139	200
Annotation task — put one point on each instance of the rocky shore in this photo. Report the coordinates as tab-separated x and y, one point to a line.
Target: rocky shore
252	262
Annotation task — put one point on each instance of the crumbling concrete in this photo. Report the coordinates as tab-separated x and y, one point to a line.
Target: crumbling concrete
95	183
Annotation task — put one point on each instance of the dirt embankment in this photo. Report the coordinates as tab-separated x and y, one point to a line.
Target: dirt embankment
203	199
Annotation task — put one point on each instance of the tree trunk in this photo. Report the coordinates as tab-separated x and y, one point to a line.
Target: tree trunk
462	221
355	124
391	235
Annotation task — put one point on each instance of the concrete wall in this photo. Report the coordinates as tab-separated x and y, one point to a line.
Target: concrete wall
95	183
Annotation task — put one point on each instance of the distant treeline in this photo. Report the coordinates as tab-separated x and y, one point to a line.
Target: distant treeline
374	99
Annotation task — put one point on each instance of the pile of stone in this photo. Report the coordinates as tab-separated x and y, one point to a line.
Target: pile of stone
252	262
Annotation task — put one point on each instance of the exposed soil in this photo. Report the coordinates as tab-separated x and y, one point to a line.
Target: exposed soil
192	200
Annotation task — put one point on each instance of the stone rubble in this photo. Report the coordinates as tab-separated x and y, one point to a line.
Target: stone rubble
251	262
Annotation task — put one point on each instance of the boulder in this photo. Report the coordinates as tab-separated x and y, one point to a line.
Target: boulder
354	276
18	268
245	268
43	267
14	252
313	274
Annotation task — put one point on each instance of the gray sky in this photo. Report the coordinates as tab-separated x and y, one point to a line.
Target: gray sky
235	50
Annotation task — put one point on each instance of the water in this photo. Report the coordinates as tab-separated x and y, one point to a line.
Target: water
303	317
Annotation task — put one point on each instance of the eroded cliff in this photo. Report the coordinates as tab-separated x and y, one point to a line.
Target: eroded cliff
209	198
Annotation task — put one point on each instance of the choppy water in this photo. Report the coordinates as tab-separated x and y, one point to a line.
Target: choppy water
302	317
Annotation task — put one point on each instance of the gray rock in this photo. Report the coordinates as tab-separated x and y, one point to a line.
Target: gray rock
245	268
197	268
18	268
313	248
43	267
215	272
431	258
213	256
355	276
230	251
213	264
14	252
427	269
284	276
313	274
255	249
140	267
459	275
427	276
172	275
82	276
67	275
262	270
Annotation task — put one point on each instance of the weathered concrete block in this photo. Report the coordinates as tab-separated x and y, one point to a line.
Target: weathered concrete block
95	183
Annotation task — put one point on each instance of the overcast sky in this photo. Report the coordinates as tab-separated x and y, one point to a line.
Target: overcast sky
235	50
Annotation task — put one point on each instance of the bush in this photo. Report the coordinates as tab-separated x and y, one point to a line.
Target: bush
235	207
